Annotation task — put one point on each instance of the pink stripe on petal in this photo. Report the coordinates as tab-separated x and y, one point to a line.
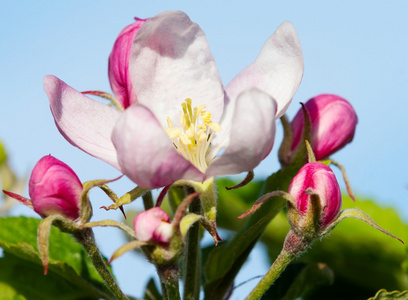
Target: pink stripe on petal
85	123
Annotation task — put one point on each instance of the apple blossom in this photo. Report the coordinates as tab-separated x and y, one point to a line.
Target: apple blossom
333	123
170	64
54	188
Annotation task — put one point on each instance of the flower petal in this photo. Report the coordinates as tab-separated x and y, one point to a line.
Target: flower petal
118	69
252	134
145	152
85	123
278	70
170	62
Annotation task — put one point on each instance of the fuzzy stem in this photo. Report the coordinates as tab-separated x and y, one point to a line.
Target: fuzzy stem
169	281
87	239
293	247
192	270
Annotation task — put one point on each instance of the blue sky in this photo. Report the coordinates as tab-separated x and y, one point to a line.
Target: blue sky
356	50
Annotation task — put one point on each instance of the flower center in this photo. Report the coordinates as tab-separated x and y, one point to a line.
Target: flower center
194	138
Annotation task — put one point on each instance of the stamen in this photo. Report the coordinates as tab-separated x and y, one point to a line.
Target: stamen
194	137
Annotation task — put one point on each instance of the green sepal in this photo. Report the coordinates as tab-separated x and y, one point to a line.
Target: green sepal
357	214
125	248
248	178
43	234
394	295
187	221
86	207
128	197
113	101
345	178
110	223
287	142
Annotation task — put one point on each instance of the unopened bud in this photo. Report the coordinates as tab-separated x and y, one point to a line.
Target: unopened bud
153	225
333	122
317	198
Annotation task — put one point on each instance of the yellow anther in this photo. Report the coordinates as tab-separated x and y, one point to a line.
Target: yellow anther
214	126
193	139
173	132
185	139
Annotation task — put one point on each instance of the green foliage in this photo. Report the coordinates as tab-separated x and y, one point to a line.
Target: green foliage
70	275
298	281
151	291
362	258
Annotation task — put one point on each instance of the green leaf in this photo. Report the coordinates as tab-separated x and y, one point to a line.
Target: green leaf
395	295
226	260
71	274
7	292
299	280
152	292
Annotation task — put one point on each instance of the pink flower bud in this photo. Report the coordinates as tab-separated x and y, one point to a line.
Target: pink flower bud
317	178
153	225
54	188
333	123
119	65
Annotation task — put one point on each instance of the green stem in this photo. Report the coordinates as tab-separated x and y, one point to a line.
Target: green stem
147	200
192	265
293	247
169	278
87	239
273	273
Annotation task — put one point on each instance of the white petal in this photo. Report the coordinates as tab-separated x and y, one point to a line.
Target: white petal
171	61
252	134
145	152
277	71
85	123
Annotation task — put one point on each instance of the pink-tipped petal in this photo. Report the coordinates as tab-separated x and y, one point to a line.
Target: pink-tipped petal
251	137
145	152
153	225
333	124
85	123
118	69
171	61
277	71
321	179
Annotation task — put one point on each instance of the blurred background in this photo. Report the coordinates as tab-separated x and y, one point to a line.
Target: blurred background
356	50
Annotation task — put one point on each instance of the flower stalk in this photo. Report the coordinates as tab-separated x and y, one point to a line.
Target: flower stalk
192	266
87	239
293	247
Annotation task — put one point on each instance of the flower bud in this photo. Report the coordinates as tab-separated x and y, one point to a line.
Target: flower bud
119	65
153	225
333	123
317	180
54	188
